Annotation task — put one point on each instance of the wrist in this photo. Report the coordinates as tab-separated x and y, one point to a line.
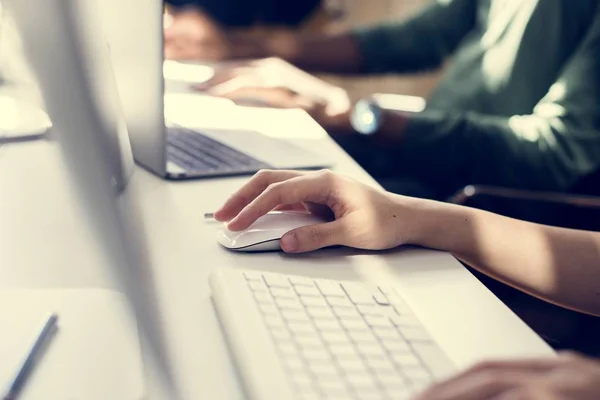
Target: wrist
283	45
435	224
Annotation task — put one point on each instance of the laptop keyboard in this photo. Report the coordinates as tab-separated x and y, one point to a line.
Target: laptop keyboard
346	339
198	153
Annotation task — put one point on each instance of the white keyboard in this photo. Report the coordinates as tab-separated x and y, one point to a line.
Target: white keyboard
324	339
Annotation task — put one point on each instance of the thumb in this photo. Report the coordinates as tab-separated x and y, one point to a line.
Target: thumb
313	237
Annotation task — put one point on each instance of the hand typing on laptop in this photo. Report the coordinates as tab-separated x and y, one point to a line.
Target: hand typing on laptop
368	218
273	82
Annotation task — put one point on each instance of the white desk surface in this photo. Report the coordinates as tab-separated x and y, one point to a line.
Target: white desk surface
45	244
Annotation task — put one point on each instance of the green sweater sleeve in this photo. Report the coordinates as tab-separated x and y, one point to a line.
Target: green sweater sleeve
420	43
549	149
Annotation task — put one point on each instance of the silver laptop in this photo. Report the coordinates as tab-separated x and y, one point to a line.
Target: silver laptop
134	31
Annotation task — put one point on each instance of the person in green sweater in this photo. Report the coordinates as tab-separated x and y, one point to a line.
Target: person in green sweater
517	105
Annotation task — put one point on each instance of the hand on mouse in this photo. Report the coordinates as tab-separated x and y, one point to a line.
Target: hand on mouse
364	217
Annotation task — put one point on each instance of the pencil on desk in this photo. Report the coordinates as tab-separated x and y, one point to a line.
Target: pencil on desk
21	378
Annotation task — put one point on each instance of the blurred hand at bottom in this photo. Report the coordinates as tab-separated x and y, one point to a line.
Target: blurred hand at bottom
566	377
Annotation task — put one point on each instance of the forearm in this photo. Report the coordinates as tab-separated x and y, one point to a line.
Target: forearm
561	266
315	53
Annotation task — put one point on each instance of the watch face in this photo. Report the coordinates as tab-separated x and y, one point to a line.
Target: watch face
365	117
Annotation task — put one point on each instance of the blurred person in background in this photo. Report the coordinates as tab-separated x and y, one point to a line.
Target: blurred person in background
517	105
203	26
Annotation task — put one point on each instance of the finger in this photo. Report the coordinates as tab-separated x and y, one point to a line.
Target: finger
244	89
295	190
291	207
222	75
525	364
313	237
476	386
247	193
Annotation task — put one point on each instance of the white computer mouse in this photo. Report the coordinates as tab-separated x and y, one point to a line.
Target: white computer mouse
264	234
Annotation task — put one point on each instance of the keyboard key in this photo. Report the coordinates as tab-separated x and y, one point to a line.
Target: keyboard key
301	281
417	374
435	359
415	334
354	324
406	360
257	286
314	301
319	313
369	394
344	313
405	320
370	350
324	372
362	336
308	291
352	365
263	298
392	381
308	393
328	325
369	309
399	305
310	342
338	302
343	350
274	321
288	303
277	281
302	380
295	364
380	298
378	321
381	366
301	328
357	293
387	333
253	276
361	381
332	386
281	335
314	355
396	346
268	309
284	293
295	315
420	385
289	350
331	289
336	336
398	393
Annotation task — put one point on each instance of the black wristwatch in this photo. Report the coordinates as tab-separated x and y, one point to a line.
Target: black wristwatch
367	117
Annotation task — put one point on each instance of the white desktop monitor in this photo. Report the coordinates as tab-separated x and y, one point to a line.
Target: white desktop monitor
64	43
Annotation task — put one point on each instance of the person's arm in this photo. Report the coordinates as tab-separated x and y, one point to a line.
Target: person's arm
421	42
549	149
561	266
